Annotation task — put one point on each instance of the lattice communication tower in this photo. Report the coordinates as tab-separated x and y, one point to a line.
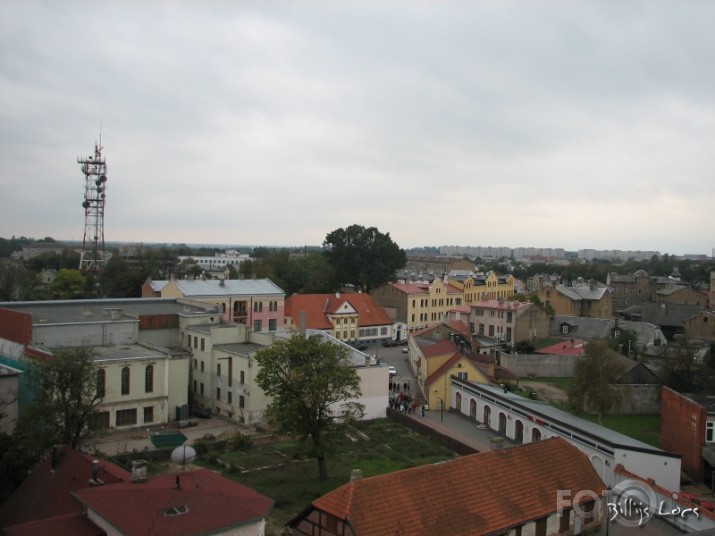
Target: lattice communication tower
95	194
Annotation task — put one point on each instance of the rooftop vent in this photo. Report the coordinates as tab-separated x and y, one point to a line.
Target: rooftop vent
176	510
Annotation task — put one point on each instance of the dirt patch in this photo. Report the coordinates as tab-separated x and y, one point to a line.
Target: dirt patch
548	393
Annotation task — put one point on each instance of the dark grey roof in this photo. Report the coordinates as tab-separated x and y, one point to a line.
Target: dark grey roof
599	328
101	310
662	314
127	352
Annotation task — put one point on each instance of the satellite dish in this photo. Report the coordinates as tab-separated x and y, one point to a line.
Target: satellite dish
183	455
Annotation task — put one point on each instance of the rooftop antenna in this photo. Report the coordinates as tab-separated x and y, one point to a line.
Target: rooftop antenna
94	169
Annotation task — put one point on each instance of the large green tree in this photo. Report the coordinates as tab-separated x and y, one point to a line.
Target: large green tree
594	374
363	257
66	395
313	389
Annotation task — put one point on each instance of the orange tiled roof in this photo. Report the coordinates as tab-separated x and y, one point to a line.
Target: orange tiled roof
475	494
318	306
445	346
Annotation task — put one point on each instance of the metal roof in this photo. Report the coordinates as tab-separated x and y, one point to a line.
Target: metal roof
228	287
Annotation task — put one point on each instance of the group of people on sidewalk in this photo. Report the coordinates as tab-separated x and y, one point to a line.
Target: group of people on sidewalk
401	400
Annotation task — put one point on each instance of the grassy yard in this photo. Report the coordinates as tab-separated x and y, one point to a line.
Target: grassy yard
382	446
644	428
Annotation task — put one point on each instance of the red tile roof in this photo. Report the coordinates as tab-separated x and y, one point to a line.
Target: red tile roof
445	346
45	494
475	494
68	525
565	348
318	306
213	503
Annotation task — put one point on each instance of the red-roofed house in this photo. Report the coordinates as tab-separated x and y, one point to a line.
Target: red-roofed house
515	489
197	502
434	357
62	496
350	318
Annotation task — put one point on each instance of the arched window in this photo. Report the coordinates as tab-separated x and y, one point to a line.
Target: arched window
101	382
149	379
125	381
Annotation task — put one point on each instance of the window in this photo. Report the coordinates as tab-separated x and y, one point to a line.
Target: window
202	387
149	379
218	393
218	369
257	325
196	343
126	417
189	338
462	375
229	396
195	386
196	363
710	431
125	381
101	382
202	366
241	401
203	344
100	418
243	377
148	414
272	324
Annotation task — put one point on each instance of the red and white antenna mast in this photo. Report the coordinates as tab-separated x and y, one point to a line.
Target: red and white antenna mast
95	194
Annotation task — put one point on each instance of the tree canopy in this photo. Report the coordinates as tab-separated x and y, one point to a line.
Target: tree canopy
363	257
594	375
313	390
66	396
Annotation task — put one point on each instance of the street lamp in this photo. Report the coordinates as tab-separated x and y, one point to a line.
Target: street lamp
441	410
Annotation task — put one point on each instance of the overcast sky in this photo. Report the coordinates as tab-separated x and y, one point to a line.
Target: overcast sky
494	123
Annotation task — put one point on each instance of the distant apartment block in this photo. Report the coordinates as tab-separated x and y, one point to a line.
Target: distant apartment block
218	262
616	254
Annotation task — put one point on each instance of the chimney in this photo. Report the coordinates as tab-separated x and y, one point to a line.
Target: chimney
302	323
222	282
355	474
337	295
139	471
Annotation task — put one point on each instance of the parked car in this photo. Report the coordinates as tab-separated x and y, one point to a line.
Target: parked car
391	343
393	370
405	350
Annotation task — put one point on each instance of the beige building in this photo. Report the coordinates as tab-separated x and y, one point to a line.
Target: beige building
701	326
224	372
508	321
591	299
420	304
143	371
